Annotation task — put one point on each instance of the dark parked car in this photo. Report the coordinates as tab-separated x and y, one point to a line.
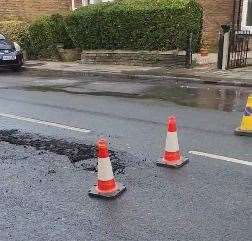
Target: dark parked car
11	55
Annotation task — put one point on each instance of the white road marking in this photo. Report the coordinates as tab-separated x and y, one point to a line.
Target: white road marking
223	158
46	123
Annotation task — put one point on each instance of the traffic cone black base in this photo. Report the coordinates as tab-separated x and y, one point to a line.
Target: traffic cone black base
161	163
93	192
240	132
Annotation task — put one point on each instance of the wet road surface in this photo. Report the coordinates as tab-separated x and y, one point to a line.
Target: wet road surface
47	171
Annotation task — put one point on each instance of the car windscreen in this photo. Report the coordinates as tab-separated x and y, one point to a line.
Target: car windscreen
5	44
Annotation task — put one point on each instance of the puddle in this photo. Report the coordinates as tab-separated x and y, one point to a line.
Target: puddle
79	91
34	64
202	96
224	98
53	82
113	87
82	156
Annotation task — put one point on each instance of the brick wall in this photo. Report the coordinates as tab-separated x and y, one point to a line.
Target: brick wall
30	9
216	13
78	3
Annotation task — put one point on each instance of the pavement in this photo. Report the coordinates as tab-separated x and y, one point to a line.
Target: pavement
200	74
47	168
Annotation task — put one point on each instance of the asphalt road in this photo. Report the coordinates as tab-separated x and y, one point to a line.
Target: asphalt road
45	180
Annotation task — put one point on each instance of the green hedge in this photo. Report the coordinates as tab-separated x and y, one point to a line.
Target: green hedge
44	35
124	24
137	25
14	30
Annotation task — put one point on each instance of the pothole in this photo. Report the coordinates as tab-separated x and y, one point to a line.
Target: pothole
83	156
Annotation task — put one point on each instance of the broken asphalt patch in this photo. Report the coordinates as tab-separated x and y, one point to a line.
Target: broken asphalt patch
82	156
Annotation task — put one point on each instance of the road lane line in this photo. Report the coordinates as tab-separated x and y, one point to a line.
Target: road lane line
46	123
223	158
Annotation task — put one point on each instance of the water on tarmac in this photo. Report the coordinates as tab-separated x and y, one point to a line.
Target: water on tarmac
180	92
204	96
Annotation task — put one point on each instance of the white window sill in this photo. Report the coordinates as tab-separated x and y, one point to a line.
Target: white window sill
248	28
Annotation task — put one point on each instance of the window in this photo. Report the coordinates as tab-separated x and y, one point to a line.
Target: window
246	23
99	1
75	4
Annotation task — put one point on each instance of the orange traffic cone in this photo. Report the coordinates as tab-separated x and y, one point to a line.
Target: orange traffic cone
172	156
106	187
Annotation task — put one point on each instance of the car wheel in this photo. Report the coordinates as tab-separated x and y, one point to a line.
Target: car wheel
17	68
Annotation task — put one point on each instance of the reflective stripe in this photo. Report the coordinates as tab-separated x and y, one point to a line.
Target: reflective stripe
171	142
172	157
248	111
105	172
106	186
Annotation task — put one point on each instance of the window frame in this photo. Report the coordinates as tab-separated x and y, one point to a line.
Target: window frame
244	25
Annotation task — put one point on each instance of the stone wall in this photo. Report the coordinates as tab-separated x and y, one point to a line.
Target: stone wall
144	58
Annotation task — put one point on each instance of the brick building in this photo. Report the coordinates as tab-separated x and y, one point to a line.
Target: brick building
237	13
216	12
30	9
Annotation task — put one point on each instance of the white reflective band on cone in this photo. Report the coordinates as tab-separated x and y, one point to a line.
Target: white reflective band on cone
172	142
105	172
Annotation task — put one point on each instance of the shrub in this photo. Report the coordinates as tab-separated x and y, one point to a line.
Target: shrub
13	30
44	35
124	24
137	25
39	40
59	31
